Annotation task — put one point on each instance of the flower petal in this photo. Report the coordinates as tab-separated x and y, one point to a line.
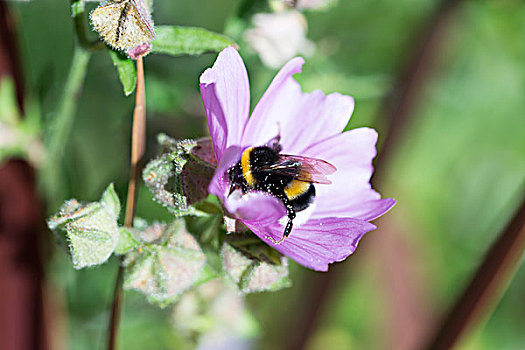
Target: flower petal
257	208
318	242
351	153
370	210
300	118
220	182
225	92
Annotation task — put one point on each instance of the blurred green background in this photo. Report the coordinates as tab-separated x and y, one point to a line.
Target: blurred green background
458	172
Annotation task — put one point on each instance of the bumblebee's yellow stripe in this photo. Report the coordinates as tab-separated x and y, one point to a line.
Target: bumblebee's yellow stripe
246	168
296	188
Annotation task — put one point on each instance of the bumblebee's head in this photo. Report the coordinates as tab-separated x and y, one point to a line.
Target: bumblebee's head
236	178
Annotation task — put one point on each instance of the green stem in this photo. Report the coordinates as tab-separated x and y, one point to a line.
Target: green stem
61	125
79	19
249	7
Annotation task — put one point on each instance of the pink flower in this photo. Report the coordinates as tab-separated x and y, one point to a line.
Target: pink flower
310	124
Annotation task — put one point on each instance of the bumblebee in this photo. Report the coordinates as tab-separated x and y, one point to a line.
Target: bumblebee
290	178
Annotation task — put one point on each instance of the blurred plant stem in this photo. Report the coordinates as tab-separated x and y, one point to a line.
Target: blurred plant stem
24	317
138	145
486	287
249	7
79	19
61	125
396	111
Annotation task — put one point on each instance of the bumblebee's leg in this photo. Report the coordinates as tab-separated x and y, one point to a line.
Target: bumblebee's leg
291	215
288	229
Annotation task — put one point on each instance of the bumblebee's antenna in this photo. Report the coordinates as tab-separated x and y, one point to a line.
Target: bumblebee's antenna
275	142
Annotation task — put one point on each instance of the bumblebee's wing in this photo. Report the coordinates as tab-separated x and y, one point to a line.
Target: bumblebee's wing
303	168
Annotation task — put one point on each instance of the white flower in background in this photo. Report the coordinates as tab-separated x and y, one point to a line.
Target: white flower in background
278	37
308	4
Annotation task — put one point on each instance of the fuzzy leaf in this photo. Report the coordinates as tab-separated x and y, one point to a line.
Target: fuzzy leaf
168	262
214	308
195	180
126	71
177	40
126	241
111	201
203	151
164	177
253	275
91	229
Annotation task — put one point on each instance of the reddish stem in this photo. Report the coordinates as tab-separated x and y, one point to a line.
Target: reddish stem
487	285
22	317
396	110
138	143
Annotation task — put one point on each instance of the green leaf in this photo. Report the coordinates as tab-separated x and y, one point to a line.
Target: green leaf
126	242
126	71
163	176
206	228
177	40
253	275
111	201
168	262
91	229
251	246
8	108
179	178
214	308
19	137
77	8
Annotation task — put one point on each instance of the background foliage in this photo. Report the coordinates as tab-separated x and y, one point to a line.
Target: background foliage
457	176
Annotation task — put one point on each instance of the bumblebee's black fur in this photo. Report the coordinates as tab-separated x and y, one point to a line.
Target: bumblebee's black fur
268	181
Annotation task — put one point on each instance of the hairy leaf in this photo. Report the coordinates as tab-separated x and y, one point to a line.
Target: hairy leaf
253	275
177	40
179	177
126	241
91	229
168	262
126	71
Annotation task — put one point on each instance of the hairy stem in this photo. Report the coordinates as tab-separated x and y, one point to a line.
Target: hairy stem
61	125
138	143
